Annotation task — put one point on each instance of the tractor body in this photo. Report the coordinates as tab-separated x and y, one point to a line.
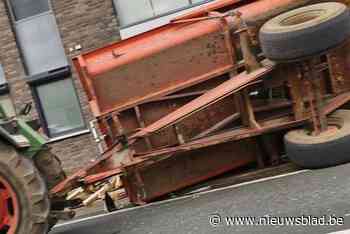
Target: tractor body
28	170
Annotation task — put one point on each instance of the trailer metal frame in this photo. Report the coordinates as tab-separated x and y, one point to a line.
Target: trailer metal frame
212	104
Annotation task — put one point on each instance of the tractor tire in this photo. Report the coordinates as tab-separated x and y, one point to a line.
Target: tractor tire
24	198
50	168
304	32
328	149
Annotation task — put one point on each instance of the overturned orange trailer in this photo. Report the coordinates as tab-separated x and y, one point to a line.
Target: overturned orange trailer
197	98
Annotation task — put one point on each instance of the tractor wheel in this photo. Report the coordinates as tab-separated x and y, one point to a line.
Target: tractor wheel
24	201
306	31
50	168
328	149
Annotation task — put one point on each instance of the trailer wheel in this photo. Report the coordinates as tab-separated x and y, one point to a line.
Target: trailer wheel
305	31
24	202
330	148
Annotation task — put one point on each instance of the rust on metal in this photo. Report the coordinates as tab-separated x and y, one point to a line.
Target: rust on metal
312	82
202	11
169	99
99	70
229	87
295	85
142	125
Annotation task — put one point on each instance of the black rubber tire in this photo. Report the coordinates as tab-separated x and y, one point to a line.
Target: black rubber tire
305	31
325	150
30	188
50	167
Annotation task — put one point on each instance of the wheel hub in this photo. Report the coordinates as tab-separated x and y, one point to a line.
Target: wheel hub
9	211
302	17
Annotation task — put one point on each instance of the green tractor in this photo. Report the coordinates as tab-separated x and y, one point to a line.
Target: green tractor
28	170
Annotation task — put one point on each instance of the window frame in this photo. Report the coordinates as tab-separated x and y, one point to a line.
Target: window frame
4	86
15	22
160	15
47	77
13	17
43	79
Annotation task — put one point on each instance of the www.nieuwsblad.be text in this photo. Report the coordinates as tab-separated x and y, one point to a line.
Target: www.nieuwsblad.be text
217	220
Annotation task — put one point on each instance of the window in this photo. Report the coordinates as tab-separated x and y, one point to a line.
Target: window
61	110
2	76
47	67
37	36
163	7
26	8
4	88
132	12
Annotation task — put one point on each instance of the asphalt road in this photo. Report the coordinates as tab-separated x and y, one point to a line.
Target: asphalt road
310	194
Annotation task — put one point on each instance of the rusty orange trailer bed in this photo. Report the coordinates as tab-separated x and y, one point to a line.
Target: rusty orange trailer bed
195	98
139	58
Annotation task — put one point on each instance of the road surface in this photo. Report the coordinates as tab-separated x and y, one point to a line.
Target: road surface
310	197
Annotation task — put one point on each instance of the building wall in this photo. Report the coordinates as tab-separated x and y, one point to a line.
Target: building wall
88	23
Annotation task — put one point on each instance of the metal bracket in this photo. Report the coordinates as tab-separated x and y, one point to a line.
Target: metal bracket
250	59
19	141
211	15
319	119
97	137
